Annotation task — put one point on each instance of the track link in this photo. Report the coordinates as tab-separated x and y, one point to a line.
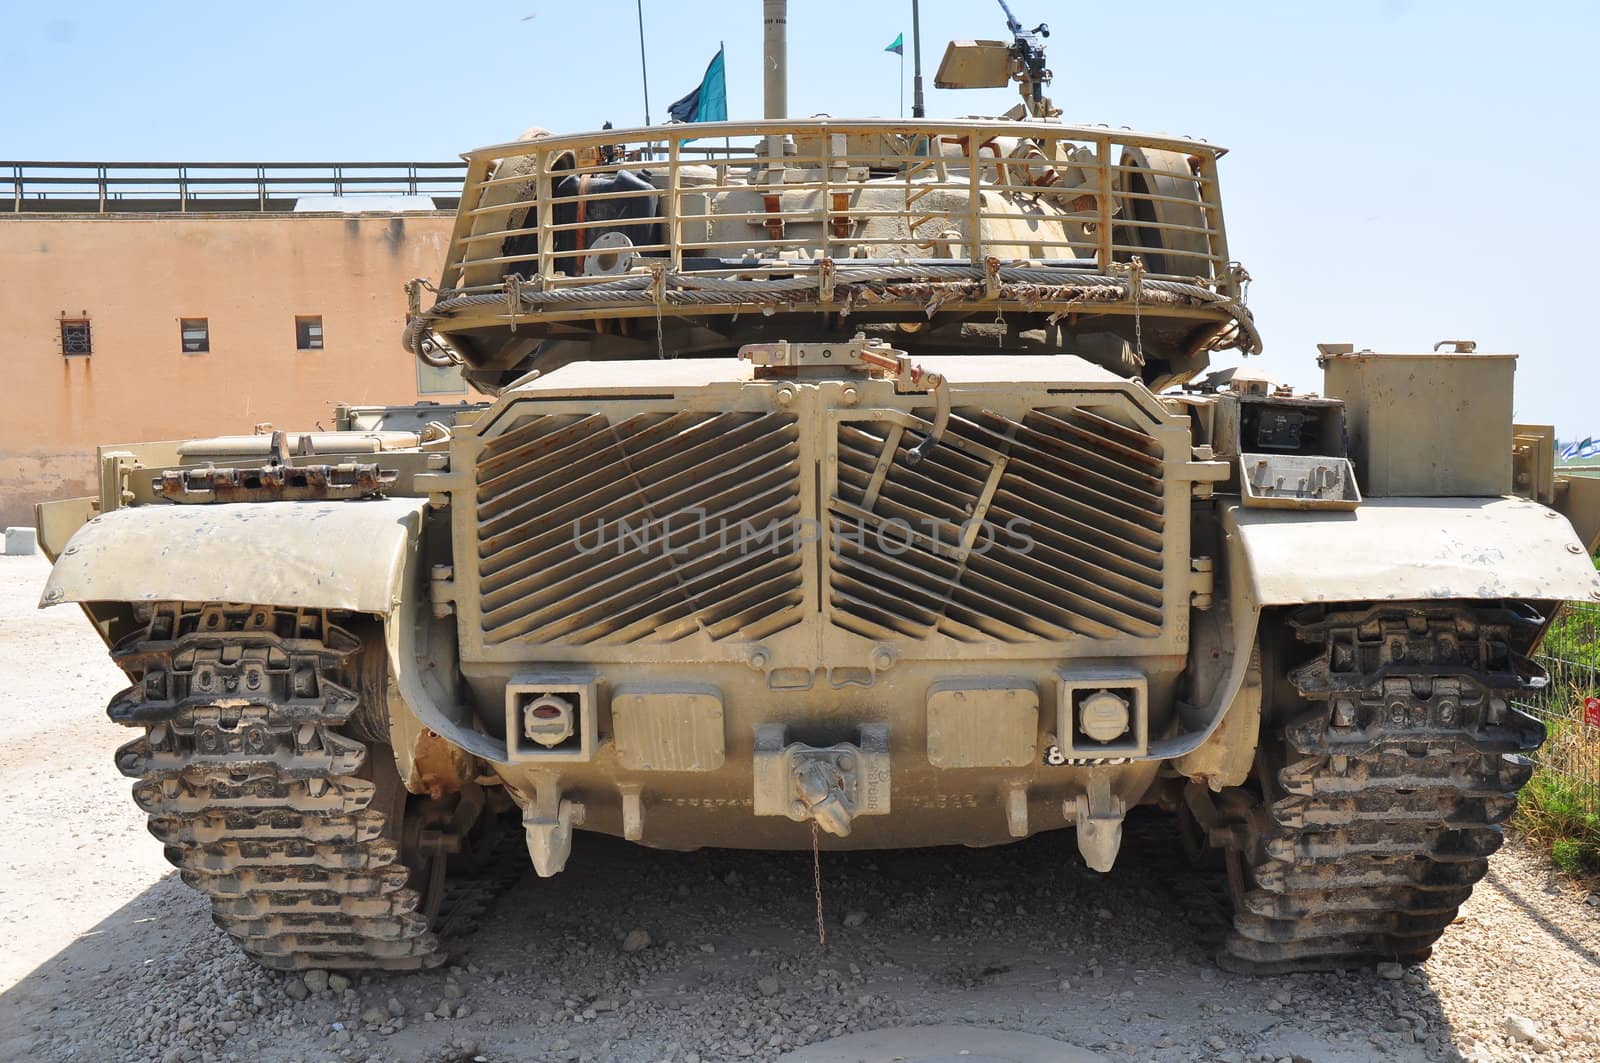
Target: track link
1381	804
262	803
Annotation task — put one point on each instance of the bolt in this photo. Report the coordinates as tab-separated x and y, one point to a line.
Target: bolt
1397	714
882	658
847	762
759	659
1574	548
849	396
785	396
798	809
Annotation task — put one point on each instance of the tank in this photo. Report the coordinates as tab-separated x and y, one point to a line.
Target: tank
861	484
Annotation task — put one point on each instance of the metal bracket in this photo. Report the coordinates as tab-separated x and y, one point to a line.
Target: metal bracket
277	480
773	203
827	273
991	277
1202	582
828	784
1099	815
548	821
632	795
1016	802
513	286
116	479
442	590
871	356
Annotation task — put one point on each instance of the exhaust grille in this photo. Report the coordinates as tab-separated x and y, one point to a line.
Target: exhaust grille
591	532
1068	501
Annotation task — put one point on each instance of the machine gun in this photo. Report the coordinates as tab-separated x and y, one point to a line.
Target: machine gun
995	64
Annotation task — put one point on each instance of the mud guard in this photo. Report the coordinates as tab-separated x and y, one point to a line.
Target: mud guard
1408	549
1390	549
327	555
363	556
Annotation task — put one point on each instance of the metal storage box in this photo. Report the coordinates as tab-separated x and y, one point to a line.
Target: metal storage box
1437	424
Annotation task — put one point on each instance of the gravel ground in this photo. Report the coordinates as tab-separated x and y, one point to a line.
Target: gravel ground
638	955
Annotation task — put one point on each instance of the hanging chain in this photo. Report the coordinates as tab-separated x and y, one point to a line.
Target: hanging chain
816	878
1136	283
658	292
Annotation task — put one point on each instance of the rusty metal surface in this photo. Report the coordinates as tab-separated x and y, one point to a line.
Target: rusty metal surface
1395	549
275	483
331	555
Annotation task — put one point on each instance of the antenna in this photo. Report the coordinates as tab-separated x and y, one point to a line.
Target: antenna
644	70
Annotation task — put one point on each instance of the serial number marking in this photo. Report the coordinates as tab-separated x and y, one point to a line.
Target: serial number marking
711	802
944	801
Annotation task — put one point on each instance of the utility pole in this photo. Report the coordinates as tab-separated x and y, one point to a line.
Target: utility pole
917	110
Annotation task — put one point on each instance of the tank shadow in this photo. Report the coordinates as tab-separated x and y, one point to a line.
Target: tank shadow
1022	938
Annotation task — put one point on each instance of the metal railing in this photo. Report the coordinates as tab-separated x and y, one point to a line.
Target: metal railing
253	187
1571	752
777	194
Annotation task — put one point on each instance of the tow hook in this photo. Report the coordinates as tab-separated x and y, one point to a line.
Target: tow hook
819	786
828	785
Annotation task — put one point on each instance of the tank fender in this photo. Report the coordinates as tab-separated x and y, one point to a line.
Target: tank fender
1391	549
324	555
364	556
1407	549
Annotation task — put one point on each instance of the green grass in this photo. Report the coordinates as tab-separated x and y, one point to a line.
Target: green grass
1559	809
1563	816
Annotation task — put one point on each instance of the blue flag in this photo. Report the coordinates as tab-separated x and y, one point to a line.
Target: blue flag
899	46
1588	448
709	100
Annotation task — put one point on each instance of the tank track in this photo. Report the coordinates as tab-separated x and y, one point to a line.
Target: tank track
1382	804
263	805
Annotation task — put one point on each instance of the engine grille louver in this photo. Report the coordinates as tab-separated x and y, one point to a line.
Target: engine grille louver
562	503
1086	489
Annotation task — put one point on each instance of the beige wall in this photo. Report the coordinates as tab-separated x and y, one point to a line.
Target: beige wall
248	275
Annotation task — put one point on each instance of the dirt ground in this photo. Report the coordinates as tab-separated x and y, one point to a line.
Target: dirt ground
107	956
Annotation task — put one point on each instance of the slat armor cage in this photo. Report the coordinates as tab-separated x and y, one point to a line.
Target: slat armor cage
797	214
705	516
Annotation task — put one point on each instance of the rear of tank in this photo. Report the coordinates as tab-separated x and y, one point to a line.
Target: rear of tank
695	592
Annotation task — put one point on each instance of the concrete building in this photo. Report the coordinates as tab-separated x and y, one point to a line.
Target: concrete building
159	302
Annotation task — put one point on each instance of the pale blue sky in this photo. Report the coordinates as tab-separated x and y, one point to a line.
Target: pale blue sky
1400	172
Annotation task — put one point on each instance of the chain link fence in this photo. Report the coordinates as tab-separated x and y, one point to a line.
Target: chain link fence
1561	804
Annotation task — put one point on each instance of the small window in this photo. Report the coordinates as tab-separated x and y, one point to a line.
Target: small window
308	332
196	334
75	336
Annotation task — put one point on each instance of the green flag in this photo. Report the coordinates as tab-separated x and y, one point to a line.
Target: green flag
899	46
